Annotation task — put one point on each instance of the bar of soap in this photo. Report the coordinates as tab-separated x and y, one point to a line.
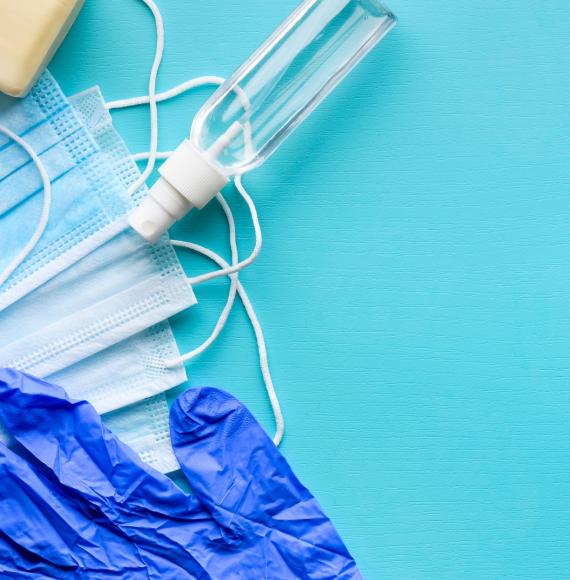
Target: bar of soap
30	33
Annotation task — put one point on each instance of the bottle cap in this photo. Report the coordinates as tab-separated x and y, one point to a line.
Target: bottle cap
159	211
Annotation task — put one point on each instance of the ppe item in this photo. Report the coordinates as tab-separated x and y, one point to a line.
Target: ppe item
88	203
91	509
119	289
130	371
31	32
247	118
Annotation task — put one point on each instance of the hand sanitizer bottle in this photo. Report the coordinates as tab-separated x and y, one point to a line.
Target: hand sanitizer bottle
249	116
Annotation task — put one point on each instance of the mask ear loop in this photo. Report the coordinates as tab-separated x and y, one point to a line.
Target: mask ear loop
44	216
260	339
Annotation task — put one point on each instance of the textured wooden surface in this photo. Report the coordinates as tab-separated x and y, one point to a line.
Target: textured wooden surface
415	280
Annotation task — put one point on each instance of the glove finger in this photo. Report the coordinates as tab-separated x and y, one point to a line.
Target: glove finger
244	480
69	438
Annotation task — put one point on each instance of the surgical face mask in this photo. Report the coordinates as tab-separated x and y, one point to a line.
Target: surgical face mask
119	289
87	202
128	372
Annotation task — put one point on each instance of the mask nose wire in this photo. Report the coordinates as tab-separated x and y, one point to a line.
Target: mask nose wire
46	207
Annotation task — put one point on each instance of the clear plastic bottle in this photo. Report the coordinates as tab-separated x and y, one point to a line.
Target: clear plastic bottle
251	114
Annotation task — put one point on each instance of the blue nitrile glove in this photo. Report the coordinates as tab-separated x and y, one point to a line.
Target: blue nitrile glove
77	503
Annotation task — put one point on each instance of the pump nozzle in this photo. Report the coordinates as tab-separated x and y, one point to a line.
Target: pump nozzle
187	179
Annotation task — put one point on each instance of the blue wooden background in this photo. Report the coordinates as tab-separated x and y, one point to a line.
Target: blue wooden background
415	280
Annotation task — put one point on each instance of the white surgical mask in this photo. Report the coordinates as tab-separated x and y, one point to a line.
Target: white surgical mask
128	372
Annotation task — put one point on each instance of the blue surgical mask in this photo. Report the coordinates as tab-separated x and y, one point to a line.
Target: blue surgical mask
88	201
123	287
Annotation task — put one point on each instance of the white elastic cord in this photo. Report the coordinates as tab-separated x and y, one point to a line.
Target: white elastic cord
152	95
166	95
227	270
221	323
44	216
260	339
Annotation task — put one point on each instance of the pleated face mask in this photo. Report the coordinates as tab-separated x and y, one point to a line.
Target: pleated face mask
128	372
132	370
88	204
119	289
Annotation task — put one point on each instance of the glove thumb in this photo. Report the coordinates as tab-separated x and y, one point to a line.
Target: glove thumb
246	483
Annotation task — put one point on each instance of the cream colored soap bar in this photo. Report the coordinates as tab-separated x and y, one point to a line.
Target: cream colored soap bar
30	33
